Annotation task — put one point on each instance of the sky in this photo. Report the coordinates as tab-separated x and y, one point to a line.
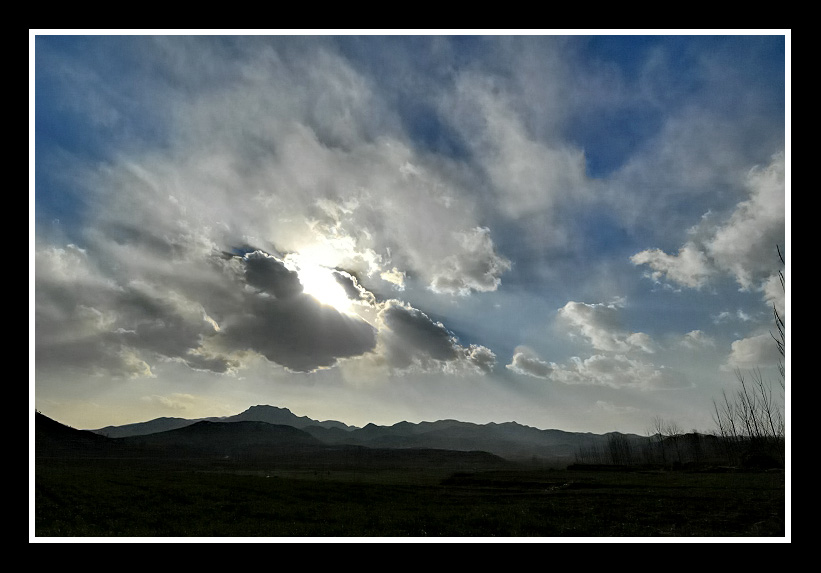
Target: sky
574	231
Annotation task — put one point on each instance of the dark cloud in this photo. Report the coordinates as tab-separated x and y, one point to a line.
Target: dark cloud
269	275
298	333
287	326
204	321
419	335
353	289
411	338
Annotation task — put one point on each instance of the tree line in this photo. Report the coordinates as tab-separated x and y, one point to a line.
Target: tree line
750	428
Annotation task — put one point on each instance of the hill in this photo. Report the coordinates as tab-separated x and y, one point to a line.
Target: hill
244	442
55	440
228	440
260	413
509	440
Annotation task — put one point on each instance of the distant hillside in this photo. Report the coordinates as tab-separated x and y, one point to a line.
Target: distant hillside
231	439
284	416
149	427
53	439
223	442
508	440
269	414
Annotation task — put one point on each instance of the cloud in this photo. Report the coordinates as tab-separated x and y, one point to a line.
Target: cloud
476	267
249	303
751	352
775	293
611	370
92	323
479	357
741	246
395	277
410	340
615	363
526	362
689	268
744	245
279	321
526	176
599	324
697	339
275	153
282	153
270	275
615	371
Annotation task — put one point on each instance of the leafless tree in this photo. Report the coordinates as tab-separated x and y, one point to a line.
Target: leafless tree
674	434
657	429
620	450
751	421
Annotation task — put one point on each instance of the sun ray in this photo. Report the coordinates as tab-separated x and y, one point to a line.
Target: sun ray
319	282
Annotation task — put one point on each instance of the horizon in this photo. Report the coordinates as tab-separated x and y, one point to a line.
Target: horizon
322	421
575	232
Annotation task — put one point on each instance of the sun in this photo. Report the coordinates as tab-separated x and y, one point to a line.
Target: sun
320	282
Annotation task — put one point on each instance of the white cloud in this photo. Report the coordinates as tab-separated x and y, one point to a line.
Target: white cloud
614	365
751	352
688	268
599	324
476	267
527	176
615	371
395	277
774	293
526	362
743	246
697	339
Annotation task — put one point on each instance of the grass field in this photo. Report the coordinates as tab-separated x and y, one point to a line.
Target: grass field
117	498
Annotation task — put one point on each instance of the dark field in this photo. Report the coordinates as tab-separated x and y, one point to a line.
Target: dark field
122	498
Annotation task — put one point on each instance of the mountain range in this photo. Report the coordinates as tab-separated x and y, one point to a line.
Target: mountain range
269	414
509	440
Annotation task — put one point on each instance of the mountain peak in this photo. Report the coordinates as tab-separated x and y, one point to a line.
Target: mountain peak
266	407
283	416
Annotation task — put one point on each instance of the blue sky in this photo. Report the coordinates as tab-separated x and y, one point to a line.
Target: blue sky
568	231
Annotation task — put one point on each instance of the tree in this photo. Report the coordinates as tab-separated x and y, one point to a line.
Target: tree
657	429
750	421
780	340
620	451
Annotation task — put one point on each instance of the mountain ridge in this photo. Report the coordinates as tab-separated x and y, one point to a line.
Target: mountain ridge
210	444
258	413
509	440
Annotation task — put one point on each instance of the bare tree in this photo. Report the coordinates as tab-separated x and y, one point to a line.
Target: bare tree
780	340
674	433
657	429
620	450
751	422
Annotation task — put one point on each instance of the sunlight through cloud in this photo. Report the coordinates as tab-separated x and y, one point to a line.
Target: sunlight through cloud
319	282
